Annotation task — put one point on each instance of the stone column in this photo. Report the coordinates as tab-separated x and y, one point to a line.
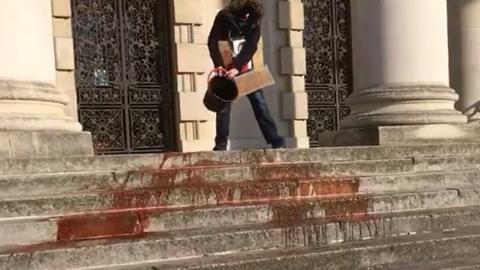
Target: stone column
464	37
33	122
401	74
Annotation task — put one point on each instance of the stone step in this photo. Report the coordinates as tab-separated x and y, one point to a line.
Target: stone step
363	255
126	223
434	180
130	223
462	263
372	175
17	186
191	196
241	250
175	160
120	214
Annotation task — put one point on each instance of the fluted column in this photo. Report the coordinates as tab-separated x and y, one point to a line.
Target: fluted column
401	65
464	31
30	104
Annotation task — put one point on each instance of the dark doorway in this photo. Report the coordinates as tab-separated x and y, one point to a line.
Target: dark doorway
328	82
123	75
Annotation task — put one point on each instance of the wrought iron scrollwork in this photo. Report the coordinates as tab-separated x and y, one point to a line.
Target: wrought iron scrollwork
329	70
122	73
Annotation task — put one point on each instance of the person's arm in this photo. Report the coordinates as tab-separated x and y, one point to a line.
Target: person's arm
248	49
216	34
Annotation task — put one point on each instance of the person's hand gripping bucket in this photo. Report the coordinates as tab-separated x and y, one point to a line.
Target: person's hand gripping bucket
222	90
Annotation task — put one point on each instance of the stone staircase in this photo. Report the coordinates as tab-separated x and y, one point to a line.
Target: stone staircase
384	207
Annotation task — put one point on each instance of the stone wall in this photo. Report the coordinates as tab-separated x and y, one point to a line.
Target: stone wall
293	66
64	53
192	22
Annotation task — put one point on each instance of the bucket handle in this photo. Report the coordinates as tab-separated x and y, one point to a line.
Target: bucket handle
218	70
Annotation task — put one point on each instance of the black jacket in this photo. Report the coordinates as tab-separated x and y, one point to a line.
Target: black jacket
226	26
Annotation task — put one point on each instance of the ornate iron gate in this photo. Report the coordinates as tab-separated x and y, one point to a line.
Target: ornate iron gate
123	75
328	82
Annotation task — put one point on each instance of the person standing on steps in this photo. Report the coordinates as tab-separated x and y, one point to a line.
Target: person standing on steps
239	23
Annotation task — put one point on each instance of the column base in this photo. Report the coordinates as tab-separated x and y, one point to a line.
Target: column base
34	106
44	144
393	135
403	104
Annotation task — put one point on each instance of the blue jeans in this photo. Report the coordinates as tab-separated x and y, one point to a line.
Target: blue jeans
264	119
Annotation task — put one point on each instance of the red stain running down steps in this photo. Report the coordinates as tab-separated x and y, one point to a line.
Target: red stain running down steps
103	225
336	196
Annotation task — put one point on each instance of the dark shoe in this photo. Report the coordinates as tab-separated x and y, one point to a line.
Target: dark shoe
220	147
279	144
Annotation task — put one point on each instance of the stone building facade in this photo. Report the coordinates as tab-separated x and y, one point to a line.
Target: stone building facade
133	73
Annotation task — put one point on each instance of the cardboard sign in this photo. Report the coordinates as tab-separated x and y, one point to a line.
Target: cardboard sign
249	82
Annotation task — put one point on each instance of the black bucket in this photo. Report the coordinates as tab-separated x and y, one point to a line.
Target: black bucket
221	92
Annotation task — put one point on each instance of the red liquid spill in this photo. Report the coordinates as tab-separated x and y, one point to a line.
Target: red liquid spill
102	226
338	199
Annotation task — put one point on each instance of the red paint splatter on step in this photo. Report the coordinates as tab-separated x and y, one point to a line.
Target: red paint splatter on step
295	193
340	185
334	198
190	182
106	225
354	208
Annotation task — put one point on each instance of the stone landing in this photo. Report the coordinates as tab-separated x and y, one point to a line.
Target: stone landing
395	135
